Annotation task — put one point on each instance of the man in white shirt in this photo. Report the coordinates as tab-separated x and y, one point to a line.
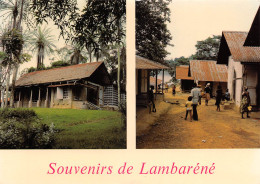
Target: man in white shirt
196	94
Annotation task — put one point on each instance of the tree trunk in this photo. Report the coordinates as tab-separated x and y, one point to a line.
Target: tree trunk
118	68
90	55
2	97
15	71
7	85
16	66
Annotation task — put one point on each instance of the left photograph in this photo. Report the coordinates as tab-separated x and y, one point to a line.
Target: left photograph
62	74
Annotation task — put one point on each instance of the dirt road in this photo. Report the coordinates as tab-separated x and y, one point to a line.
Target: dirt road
224	129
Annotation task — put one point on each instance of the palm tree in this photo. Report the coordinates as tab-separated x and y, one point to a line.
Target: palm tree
41	42
78	53
13	10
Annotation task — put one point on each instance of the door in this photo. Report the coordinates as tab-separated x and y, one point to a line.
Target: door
251	83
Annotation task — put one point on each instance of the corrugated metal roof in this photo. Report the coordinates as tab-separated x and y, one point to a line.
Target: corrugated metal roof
143	63
182	72
253	37
203	70
73	72
235	41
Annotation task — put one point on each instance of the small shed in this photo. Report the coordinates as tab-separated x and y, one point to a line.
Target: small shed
206	71
186	81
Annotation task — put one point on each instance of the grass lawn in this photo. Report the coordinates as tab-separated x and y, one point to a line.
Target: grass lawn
85	129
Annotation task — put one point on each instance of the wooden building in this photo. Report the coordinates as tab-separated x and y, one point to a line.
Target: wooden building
186	81
205	71
143	69
78	86
240	51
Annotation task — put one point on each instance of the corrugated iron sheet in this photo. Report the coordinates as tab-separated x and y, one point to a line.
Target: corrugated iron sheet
235	41
182	72
59	74
203	70
146	64
253	37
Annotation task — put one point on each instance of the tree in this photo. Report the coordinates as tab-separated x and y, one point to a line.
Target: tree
207	49
41	42
152	34
177	62
13	40
102	24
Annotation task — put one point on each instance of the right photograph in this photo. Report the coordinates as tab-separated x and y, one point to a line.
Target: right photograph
197	74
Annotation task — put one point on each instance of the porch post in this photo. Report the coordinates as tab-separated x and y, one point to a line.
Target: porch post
30	102
19	101
52	97
162	80
46	100
156	88
39	98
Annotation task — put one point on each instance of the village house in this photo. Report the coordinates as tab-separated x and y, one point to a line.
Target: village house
143	69
79	86
206	71
186	81
240	51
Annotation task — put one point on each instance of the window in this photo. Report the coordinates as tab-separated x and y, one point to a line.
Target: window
65	93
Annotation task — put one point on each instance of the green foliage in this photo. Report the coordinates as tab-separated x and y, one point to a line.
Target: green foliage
41	41
152	34
22	129
207	49
17	114
62	13
101	24
177	62
111	62
58	64
13	43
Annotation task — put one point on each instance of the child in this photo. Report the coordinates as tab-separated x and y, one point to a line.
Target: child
189	107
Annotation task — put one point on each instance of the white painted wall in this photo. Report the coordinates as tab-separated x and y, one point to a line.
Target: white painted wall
238	68
251	81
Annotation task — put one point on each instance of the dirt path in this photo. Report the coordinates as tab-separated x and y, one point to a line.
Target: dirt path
214	129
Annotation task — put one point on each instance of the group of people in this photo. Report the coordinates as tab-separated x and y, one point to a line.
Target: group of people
195	98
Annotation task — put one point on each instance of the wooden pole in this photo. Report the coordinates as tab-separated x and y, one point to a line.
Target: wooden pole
156	88
30	102
162	80
39	98
46	100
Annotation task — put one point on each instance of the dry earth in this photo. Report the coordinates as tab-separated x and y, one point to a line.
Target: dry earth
167	128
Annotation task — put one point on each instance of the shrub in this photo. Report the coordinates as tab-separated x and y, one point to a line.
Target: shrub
22	129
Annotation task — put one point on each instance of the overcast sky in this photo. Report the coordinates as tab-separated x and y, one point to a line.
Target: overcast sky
195	20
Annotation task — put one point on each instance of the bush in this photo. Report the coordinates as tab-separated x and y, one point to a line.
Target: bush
58	64
22	129
18	114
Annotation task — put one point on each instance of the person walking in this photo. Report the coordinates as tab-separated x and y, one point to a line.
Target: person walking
245	103
151	98
189	108
173	89
195	93
207	94
218	97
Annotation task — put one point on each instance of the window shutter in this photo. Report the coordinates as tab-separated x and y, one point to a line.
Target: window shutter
59	93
